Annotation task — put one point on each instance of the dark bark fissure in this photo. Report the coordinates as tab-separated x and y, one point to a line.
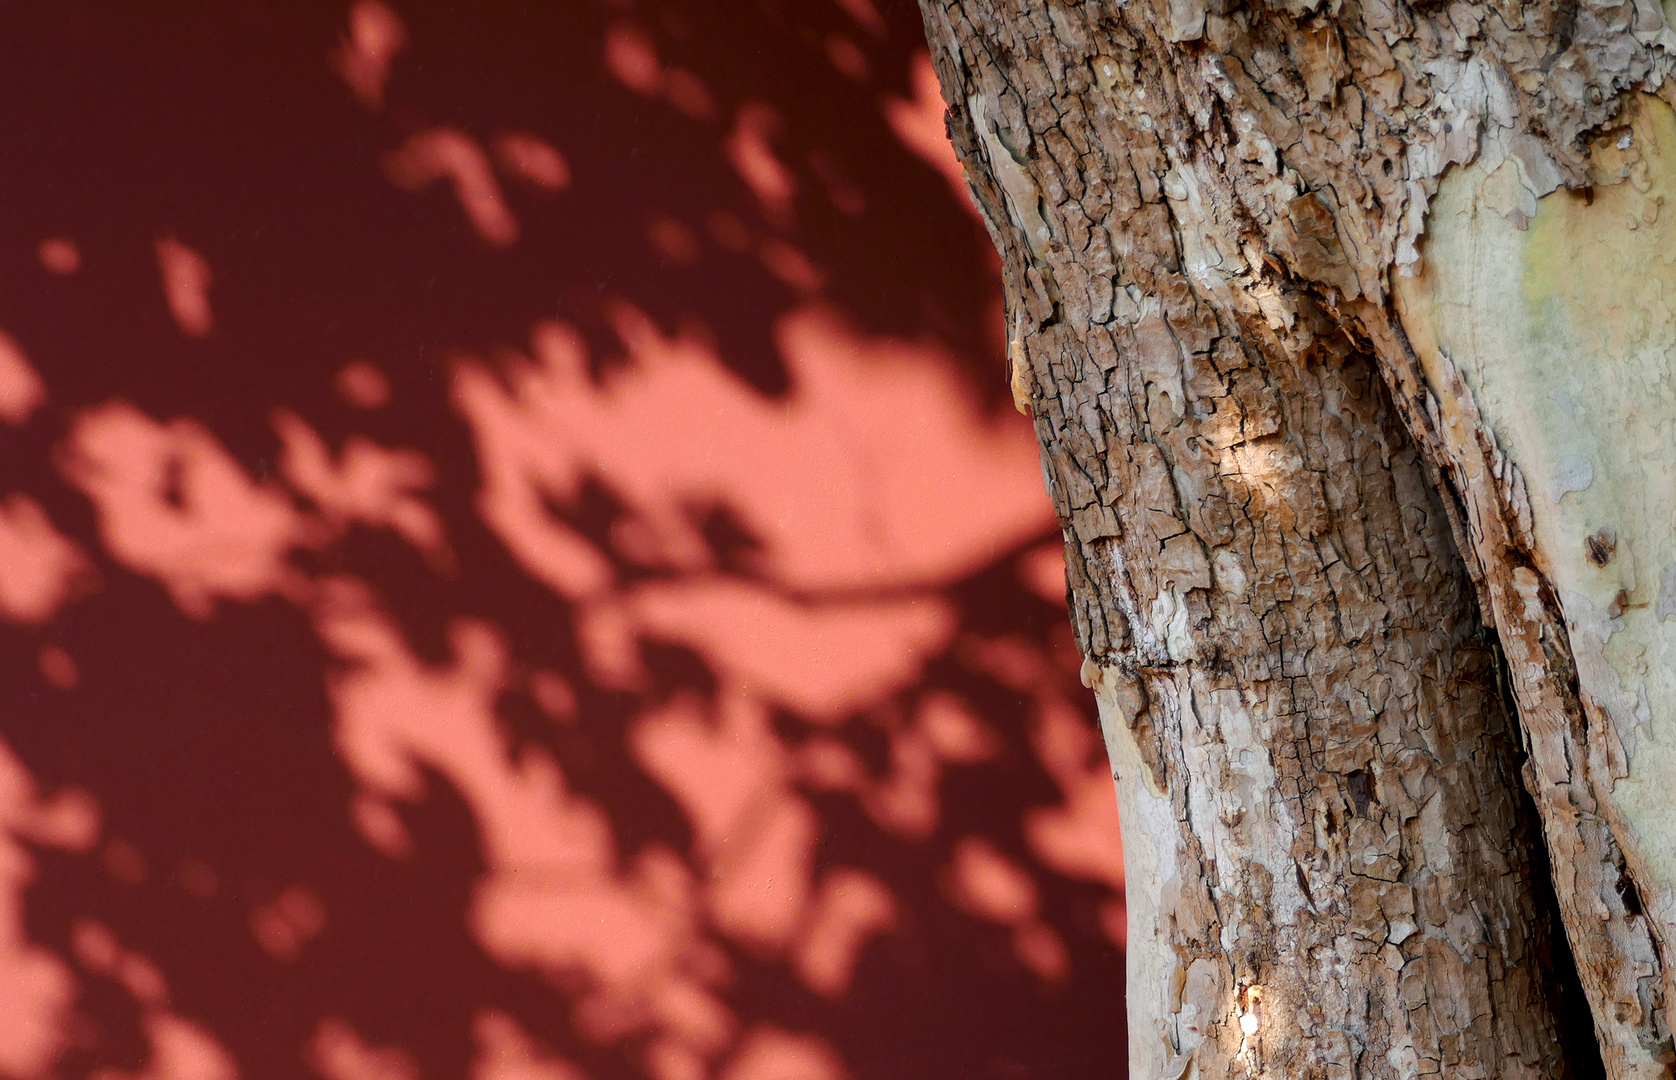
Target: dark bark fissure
1575	1030
1574	1020
1575	1027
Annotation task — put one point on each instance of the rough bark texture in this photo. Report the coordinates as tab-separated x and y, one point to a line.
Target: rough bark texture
1199	210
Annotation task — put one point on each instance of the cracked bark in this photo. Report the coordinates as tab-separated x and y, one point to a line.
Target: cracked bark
1291	485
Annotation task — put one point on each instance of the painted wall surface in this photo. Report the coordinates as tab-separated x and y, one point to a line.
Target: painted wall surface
517	559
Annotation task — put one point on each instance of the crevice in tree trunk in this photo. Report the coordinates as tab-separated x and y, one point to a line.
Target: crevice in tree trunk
1574	1020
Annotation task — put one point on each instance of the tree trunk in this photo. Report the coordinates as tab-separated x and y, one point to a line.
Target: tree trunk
1297	464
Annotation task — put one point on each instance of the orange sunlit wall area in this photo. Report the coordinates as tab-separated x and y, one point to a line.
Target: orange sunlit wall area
517	560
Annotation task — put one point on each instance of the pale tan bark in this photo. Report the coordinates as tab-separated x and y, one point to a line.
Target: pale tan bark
1545	339
1281	519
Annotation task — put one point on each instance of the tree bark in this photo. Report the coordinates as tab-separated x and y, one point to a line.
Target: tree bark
1290	458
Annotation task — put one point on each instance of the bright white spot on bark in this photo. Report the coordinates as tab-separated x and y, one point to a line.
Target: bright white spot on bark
1574	472
1248	1023
1230	577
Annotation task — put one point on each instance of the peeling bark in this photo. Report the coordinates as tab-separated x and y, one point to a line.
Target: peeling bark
1287	498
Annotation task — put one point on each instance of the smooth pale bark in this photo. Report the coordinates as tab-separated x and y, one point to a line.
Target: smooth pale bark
1289	487
1546	327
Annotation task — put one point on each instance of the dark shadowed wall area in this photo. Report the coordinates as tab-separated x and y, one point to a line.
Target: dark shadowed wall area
517	559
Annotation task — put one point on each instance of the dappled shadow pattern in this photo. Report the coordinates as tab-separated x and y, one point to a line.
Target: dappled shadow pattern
517	559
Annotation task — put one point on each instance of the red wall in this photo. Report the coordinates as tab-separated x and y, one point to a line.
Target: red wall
516	559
